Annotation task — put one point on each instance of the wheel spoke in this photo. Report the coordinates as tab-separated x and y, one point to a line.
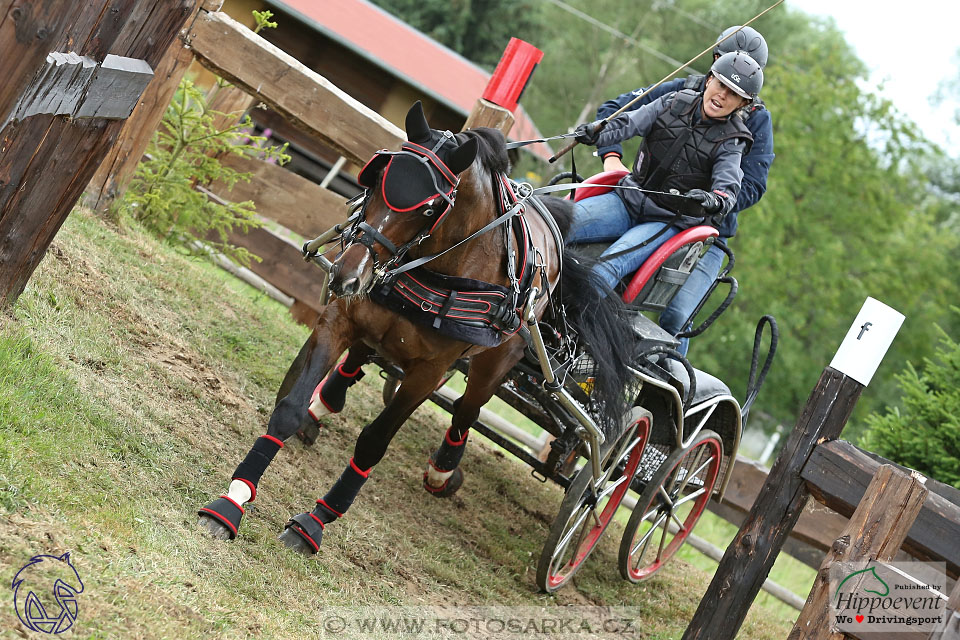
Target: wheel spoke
646	537
663	538
686	478
667	498
565	541
695	473
688	498
613	487
677	520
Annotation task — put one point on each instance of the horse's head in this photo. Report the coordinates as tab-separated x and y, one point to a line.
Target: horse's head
409	193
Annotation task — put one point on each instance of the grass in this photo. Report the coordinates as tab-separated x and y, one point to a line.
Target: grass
132	381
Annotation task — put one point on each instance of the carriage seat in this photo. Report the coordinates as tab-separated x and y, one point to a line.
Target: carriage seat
658	279
708	386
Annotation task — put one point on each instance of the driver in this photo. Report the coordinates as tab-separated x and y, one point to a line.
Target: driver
755	165
693	142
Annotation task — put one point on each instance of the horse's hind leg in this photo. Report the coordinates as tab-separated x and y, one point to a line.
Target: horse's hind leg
443	475
330	396
221	518
304	531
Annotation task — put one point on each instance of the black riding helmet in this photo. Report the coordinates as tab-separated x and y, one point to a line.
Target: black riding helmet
747	39
740	72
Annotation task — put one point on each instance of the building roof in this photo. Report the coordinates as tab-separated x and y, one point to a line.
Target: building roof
410	55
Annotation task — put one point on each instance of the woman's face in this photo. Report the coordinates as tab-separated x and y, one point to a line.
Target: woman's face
719	100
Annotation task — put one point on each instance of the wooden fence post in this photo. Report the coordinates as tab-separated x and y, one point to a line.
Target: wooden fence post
50	152
750	556
875	532
112	177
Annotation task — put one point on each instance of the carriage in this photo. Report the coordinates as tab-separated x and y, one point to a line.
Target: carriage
679	440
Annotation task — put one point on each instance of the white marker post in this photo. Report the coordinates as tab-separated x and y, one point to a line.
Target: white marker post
867	341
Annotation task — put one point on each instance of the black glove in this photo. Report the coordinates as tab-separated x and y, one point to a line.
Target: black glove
588	133
710	202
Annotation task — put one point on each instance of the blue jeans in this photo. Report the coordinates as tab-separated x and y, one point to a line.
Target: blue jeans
690	295
605	217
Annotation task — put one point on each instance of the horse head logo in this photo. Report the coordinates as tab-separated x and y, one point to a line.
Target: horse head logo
881	588
41	582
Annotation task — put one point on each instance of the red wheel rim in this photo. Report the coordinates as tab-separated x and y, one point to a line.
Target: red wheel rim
556	578
714	449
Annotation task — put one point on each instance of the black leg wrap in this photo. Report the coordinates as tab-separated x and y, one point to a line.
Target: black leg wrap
257	461
307	527
333	389
344	490
225	511
448	456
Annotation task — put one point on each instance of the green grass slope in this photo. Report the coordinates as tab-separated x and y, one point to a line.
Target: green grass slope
132	381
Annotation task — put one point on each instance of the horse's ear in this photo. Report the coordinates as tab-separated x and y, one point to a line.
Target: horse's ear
416	124
463	156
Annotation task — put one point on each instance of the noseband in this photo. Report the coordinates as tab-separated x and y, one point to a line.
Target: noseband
438	172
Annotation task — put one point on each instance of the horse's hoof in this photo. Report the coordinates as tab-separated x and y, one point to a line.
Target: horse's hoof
309	430
448	488
213	528
292	539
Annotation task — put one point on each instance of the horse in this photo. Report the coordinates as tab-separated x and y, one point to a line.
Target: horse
443	200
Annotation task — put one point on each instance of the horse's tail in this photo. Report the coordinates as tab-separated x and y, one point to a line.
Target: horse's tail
600	319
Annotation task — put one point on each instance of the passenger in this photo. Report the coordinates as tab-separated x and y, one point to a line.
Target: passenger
693	143
755	164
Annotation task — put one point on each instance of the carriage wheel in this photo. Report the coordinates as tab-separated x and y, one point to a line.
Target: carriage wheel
670	506
587	510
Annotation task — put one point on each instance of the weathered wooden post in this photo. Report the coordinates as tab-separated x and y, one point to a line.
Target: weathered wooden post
112	177
748	559
68	115
500	97
879	527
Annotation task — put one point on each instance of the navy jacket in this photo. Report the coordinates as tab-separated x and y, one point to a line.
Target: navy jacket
755	163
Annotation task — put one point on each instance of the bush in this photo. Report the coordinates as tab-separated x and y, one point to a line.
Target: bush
925	433
183	155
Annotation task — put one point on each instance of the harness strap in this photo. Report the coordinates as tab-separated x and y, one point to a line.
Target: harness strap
374	236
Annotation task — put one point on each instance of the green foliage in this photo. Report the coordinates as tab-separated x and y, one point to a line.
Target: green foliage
262	19
184	154
477	29
925	433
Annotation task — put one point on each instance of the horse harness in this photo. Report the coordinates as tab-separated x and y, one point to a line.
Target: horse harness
465	309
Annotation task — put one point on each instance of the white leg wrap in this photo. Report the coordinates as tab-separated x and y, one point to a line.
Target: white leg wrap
437	478
317	409
239	492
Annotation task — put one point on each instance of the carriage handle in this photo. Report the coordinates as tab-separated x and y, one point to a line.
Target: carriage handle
594	437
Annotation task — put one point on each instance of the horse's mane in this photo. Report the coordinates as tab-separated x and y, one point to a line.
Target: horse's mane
492	154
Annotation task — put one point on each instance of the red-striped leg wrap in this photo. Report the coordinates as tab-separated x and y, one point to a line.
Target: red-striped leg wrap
228	511
443	476
331	394
333	505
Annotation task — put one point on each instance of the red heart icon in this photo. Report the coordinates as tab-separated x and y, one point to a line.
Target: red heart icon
859	618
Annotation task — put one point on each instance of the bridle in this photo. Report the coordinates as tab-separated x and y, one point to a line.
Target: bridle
445	183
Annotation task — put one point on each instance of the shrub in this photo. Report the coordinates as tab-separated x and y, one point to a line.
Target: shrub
925	432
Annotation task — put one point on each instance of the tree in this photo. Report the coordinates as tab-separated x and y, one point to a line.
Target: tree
477	29
925	433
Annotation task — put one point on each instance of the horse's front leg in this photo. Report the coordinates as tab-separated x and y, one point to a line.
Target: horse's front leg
221	518
330	396
443	476
304	531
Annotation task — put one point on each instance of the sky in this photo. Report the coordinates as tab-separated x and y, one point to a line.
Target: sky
909	46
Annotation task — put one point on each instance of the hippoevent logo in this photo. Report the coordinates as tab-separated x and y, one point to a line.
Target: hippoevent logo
885	598
45	593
